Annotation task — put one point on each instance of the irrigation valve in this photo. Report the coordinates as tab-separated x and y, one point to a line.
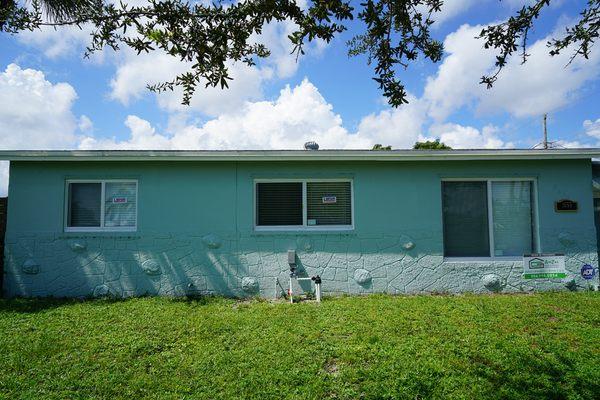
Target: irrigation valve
293	275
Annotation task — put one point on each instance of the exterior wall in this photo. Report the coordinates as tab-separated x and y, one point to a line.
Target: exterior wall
196	234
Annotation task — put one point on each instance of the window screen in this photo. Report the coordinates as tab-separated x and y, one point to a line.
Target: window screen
84	204
512	217
120	204
329	203
279	204
465	218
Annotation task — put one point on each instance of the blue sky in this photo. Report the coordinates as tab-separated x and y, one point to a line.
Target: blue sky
53	98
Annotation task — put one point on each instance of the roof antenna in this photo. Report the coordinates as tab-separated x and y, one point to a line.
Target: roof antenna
545	132
546	144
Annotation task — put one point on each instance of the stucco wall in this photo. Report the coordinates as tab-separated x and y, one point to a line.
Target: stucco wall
196	236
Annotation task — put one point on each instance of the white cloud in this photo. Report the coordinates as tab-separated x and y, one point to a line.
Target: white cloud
85	124
60	42
66	40
573	144
592	128
457	76
467	137
275	37
212	101
34	114
142	136
451	9
400	127
135	71
542	85
298	115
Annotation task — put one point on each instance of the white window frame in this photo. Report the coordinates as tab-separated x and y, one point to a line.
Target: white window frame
304	226
535	218
100	228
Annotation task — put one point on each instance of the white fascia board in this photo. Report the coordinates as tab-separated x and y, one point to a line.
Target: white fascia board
296	155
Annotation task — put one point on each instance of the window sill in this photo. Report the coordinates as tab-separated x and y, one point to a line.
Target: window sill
322	228
100	230
303	231
481	259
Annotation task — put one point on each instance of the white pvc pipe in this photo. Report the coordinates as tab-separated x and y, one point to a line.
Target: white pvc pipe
318	292
317	289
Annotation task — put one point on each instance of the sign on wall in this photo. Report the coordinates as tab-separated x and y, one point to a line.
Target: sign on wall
539	266
588	272
566	205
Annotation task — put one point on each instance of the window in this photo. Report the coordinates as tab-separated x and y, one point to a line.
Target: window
329	203
109	205
465	219
488	218
279	203
304	204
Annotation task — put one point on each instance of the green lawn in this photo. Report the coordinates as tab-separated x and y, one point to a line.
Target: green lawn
539	346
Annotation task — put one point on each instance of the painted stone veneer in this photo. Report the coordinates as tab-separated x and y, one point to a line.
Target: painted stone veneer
185	264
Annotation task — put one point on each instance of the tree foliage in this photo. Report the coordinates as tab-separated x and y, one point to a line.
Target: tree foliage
380	147
511	35
212	36
397	33
431	145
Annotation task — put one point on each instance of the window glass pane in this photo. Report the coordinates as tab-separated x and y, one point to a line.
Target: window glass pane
512	217
120	204
329	203
465	217
279	203
84	204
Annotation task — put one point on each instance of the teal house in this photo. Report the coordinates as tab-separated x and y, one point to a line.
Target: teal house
177	223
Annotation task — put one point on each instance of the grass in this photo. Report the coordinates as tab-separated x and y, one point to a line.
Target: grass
378	347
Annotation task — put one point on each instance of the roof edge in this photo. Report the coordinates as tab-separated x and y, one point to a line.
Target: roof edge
296	155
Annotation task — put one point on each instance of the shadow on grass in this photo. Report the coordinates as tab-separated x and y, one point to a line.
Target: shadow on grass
35	305
542	376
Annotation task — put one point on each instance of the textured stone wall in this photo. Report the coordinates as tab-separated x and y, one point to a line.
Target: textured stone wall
179	264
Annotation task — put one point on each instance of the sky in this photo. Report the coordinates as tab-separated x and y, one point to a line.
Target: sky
51	97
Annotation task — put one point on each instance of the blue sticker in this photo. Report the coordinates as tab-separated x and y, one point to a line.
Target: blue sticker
588	272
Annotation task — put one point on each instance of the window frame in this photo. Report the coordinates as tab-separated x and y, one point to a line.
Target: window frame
535	218
100	228
304	227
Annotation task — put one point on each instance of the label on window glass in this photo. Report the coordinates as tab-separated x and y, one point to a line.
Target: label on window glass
311	222
119	200
329	199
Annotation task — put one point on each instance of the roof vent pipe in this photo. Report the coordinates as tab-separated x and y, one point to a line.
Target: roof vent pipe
311	146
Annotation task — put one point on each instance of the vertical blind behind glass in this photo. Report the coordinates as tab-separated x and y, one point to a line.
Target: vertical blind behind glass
84	204
512	218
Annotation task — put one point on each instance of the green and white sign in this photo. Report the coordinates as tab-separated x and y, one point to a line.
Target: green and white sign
539	266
